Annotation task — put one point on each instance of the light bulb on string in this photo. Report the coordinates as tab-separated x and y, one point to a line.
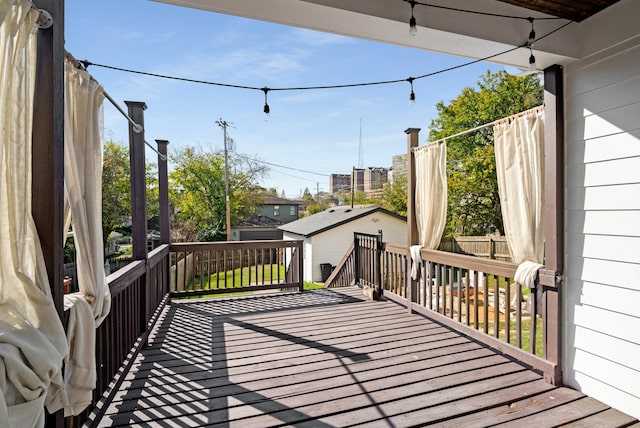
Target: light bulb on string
532	33
413	29
266	109
532	60
412	95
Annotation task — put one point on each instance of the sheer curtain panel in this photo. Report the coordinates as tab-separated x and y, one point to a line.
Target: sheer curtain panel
32	339
519	149
83	184
430	198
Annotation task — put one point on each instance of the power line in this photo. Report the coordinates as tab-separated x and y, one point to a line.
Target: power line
282	166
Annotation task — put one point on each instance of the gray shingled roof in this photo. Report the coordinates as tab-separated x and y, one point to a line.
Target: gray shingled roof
259	221
267	199
333	217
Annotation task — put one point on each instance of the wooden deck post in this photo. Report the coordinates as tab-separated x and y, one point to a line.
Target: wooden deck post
138	181
47	190
553	216
139	203
412	225
163	192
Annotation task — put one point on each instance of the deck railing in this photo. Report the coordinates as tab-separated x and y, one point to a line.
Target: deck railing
473	295
221	267
137	292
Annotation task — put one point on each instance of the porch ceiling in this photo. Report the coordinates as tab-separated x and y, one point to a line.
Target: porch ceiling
439	30
569	9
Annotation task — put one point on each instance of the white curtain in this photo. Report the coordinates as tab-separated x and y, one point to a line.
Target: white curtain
431	193
430	198
83	184
519	150
32	339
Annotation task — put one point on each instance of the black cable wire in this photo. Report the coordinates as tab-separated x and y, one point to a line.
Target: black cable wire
527	44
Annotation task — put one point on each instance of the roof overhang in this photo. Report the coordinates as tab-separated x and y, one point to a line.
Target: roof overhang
439	30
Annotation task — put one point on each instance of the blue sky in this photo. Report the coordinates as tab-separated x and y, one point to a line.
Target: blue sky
313	130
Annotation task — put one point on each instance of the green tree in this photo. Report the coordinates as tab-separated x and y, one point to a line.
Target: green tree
116	188
306	196
116	191
473	202
197	191
394	195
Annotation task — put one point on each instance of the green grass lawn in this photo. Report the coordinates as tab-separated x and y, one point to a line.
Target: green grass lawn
526	333
264	274
240	277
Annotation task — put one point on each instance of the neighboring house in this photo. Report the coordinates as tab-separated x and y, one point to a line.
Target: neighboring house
328	234
274	212
256	228
281	209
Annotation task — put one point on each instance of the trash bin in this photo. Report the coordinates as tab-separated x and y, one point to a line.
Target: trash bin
325	271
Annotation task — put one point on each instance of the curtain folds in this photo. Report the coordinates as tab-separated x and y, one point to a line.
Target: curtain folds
32	339
430	198
431	193
83	184
519	151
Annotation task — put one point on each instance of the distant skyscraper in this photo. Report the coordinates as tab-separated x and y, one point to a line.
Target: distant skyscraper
358	179
399	163
339	182
374	178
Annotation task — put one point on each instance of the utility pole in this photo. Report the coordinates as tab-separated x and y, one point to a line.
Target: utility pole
223	124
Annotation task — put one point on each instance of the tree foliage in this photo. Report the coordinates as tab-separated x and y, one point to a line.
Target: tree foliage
473	201
116	192
116	188
197	191
394	195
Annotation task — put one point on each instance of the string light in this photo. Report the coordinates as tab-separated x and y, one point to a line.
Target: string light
266	109
412	95
532	39
532	59
413	29
532	33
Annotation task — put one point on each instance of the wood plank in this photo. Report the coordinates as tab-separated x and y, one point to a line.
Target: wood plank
509	411
571	412
609	418
476	403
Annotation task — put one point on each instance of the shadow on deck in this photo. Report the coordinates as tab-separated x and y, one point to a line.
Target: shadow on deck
330	358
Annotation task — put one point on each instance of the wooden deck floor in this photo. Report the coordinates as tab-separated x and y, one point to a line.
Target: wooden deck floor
328	358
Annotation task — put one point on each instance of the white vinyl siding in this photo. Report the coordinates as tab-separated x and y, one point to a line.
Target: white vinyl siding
331	245
601	295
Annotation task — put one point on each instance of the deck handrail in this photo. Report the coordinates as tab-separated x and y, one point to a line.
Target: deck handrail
474	295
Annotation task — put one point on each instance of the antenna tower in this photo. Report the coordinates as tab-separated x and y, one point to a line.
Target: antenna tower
360	150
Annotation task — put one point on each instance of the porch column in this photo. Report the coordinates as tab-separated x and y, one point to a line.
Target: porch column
138	181
48	147
553	216
47	190
412	225
163	192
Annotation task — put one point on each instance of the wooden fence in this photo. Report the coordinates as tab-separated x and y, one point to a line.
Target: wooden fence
220	267
489	247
